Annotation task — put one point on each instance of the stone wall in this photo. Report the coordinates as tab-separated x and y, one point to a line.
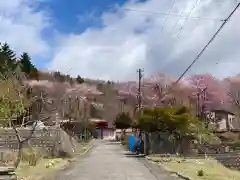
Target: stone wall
50	142
40	138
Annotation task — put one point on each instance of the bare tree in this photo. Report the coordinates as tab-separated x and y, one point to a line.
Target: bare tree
234	94
16	101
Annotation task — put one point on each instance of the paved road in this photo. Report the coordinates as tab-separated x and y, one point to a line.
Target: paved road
107	161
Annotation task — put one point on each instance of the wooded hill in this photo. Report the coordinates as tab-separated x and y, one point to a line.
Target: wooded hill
77	95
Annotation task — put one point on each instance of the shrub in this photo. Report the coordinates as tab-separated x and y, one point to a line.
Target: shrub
200	172
122	137
30	155
8	157
65	149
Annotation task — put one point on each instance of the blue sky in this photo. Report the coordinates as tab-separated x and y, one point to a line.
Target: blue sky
67	15
72	18
99	39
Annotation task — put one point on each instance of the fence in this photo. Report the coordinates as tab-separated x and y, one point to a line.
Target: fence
228	156
40	138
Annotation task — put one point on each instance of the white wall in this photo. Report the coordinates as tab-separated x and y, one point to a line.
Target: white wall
223	122
108	133
232	121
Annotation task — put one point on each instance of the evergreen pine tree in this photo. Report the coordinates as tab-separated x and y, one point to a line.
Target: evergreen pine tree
79	79
7	58
27	67
2	61
10	54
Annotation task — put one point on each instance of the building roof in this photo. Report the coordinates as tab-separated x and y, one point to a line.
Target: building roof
97	106
129	130
225	107
222	110
95	120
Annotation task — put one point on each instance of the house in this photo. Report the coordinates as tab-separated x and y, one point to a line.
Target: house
224	120
102	130
119	132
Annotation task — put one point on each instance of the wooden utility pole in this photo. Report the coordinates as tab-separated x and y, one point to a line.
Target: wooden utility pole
146	138
140	75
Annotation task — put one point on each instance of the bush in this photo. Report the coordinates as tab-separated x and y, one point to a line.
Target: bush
30	155
200	173
65	149
124	140
51	163
122	137
8	157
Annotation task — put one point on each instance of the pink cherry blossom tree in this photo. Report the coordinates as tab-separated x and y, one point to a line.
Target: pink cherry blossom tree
64	96
210	90
233	85
209	93
152	91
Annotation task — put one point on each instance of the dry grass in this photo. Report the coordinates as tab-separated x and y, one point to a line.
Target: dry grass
81	147
41	170
46	168
7	157
212	170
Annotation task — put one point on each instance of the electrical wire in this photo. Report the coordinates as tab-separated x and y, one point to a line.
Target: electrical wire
205	47
178	19
170	10
209	42
186	20
173	15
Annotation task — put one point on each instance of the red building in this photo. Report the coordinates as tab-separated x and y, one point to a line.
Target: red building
102	129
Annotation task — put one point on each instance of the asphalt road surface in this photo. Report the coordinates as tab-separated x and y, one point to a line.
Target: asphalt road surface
107	161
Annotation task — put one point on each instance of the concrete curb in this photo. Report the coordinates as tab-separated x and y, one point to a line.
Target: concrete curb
157	171
178	174
66	166
182	176
70	161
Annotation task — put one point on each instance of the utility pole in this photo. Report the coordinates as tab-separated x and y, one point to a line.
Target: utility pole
146	137
205	47
140	75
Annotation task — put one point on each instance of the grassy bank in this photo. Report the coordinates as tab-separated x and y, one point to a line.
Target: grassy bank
196	169
45	169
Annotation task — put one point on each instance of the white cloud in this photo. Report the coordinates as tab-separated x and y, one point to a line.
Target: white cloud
21	26
130	40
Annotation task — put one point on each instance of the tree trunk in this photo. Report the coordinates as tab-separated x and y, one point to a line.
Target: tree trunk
140	134
85	134
146	144
19	155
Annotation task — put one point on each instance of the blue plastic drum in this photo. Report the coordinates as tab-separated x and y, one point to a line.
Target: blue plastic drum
131	142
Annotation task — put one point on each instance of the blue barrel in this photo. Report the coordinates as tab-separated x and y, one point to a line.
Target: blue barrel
131	142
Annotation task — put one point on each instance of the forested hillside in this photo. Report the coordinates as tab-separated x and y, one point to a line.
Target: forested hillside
109	98
72	97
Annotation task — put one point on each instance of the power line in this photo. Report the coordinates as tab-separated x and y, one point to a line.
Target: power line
178	19
170	10
188	16
209	42
173	15
202	51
